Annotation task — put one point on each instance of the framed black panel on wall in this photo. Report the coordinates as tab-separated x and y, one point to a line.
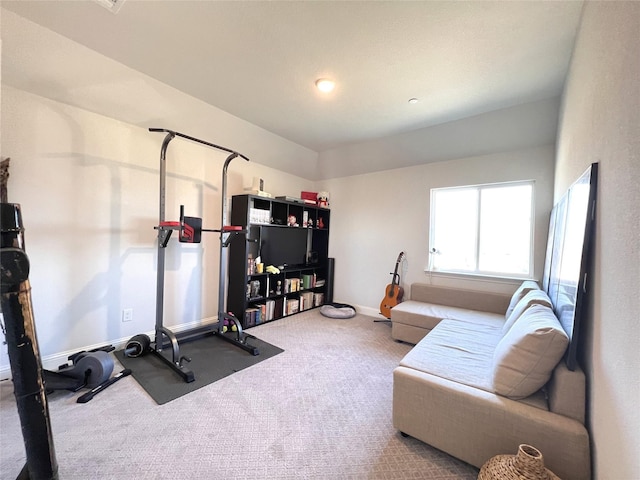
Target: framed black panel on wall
569	256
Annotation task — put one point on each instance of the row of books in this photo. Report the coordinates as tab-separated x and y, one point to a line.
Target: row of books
291	285
262	312
306	282
310	299
255	288
259	216
280	307
310	280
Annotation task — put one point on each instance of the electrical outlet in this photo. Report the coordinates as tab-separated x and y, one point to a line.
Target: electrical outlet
127	314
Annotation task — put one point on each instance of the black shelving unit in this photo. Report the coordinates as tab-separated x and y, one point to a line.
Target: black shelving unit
300	252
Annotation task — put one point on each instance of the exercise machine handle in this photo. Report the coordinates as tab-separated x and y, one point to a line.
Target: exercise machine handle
197	140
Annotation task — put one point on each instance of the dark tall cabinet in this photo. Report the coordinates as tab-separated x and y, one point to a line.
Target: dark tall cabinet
300	253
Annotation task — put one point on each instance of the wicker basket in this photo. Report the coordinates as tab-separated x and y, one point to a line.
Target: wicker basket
528	464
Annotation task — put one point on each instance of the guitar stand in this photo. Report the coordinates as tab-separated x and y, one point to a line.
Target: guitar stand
386	320
190	231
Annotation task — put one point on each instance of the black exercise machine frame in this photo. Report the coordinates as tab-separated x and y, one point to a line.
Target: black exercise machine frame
23	350
227	233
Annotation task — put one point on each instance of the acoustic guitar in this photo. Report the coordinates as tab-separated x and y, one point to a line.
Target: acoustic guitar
394	292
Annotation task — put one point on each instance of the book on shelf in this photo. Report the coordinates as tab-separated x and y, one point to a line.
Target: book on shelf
308	281
250	316
320	282
292	306
260	314
318	299
270	308
278	310
306	301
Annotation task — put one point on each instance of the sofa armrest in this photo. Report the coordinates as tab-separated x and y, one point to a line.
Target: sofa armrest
461	298
567	392
474	425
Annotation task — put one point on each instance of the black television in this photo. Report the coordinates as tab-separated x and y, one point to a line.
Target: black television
569	256
283	246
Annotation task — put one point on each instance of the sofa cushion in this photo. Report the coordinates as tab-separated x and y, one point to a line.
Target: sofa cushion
428	315
457	350
522	290
461	298
533	297
526	355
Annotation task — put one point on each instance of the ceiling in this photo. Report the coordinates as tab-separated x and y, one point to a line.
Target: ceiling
259	60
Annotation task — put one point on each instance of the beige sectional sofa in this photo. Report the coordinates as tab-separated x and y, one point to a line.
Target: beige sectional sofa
486	375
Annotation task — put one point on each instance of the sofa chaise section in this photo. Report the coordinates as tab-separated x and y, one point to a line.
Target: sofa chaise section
412	319
480	383
474	425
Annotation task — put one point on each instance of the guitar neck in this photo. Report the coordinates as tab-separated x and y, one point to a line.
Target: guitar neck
396	277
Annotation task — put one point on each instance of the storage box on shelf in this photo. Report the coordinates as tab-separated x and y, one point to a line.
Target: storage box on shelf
291	236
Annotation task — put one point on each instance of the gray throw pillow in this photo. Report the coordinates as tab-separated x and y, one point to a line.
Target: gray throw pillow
522	290
533	297
525	357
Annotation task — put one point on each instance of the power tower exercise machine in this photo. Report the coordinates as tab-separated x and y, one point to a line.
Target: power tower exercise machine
190	231
23	349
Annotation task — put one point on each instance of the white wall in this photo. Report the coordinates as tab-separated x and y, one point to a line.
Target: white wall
40	61
88	186
85	169
377	215
600	122
516	128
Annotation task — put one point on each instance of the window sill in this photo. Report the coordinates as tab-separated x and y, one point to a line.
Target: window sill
480	277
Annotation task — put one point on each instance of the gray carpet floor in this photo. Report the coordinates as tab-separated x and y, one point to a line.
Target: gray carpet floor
319	410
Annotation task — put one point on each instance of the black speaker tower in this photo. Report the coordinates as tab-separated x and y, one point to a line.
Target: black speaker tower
331	268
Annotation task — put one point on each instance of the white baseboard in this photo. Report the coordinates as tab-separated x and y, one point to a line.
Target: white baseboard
52	362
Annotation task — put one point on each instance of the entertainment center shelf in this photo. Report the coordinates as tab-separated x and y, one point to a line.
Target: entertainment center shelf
292	237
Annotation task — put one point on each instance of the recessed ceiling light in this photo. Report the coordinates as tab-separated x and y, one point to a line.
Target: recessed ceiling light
413	101
325	85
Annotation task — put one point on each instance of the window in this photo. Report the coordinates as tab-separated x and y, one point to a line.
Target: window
482	229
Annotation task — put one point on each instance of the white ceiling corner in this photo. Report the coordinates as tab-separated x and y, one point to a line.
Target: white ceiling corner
258	61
